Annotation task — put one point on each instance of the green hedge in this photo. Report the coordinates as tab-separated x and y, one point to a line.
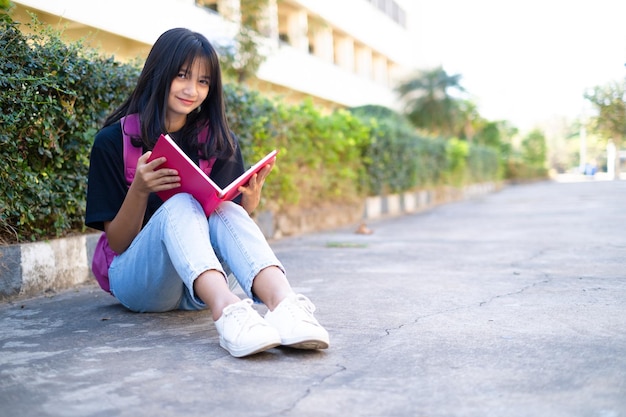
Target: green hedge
319	155
397	158
54	97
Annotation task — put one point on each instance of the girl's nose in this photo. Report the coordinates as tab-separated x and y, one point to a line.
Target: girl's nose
190	88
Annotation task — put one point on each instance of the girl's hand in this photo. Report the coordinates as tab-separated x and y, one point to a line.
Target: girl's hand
149	178
251	193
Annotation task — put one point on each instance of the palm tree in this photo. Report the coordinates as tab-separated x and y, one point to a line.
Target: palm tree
429	103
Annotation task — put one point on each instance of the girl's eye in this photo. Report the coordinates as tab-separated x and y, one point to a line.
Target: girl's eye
182	74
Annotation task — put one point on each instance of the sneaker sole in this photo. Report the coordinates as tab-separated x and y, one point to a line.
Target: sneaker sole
249	350
310	344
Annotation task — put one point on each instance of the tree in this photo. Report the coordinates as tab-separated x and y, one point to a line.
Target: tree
241	58
611	118
497	135
534	150
488	134
429	102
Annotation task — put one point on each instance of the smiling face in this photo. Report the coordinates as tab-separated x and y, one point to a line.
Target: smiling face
188	90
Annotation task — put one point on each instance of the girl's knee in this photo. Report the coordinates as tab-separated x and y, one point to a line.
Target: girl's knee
182	204
180	199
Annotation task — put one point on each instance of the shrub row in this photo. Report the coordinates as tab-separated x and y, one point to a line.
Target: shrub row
348	154
54	97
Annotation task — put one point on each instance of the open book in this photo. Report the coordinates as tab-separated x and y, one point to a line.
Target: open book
194	181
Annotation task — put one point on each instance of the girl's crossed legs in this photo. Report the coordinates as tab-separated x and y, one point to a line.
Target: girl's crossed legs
179	261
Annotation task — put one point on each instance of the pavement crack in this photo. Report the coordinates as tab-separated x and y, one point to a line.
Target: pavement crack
512	293
389	330
309	390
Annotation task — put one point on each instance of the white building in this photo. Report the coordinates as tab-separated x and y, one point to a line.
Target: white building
341	53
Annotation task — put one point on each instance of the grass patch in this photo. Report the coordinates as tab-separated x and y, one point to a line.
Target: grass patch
345	245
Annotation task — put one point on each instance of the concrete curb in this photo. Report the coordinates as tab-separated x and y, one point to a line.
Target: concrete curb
32	269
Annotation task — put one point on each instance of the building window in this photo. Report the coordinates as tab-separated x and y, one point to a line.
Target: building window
391	9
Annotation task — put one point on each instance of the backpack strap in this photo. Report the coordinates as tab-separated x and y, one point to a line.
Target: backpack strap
131	127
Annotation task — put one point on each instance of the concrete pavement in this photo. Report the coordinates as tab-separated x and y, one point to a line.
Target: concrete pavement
511	304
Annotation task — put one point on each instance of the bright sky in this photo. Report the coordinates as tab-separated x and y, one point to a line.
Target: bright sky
524	61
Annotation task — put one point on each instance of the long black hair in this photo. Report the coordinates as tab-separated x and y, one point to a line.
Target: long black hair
175	49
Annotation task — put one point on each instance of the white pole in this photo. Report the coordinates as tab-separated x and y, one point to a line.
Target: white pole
610	160
583	136
583	147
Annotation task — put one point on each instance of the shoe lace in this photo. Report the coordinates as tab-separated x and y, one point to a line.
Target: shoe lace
302	308
243	313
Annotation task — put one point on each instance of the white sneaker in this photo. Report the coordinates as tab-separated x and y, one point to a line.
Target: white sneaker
293	318
244	332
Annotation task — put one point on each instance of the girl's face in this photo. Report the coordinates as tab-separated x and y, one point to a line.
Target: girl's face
187	92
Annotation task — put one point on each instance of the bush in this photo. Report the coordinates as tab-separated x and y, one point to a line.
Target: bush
319	155
53	98
483	164
397	158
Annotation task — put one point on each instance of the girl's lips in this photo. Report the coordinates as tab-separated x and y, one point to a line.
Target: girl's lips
186	102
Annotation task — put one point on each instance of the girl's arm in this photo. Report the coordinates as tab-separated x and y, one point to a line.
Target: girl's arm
129	219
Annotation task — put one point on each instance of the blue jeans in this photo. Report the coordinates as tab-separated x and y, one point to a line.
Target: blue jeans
157	271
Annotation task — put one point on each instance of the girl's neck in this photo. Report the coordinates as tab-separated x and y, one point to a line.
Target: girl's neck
175	124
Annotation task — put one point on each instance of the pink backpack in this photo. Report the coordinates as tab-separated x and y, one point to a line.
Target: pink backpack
103	255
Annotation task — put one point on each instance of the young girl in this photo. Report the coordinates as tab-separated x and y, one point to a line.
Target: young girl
170	255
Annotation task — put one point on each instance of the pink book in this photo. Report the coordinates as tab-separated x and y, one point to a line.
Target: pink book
194	181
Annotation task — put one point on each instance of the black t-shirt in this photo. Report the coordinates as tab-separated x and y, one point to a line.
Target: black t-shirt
107	188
